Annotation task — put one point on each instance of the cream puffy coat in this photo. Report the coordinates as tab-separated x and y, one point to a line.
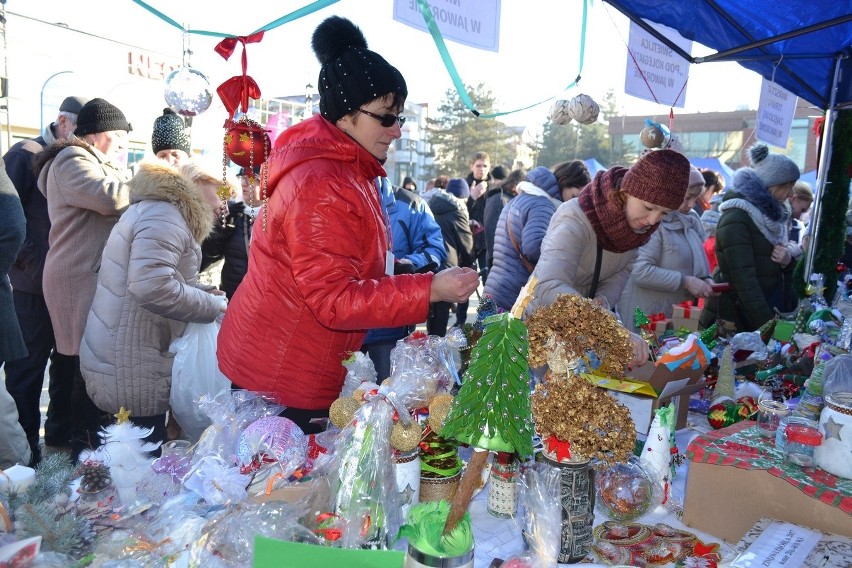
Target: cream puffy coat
146	294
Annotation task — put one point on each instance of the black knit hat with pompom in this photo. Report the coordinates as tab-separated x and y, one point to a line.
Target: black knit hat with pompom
169	133
351	74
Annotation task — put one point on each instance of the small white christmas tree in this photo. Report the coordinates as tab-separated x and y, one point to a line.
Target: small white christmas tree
125	454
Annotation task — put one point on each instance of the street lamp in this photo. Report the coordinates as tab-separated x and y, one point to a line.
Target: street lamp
41	99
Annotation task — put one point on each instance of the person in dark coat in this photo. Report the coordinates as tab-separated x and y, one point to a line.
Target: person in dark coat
448	207
751	244
418	246
230	241
478	181
25	376
14	446
497	198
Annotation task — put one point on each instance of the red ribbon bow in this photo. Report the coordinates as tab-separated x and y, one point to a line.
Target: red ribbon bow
236	91
687	308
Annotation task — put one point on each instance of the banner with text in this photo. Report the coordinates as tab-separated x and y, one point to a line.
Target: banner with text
470	22
654	71
775	114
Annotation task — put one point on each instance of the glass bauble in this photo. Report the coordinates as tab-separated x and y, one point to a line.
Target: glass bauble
625	491
188	91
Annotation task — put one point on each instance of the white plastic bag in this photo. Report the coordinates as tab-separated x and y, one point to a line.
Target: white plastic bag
195	372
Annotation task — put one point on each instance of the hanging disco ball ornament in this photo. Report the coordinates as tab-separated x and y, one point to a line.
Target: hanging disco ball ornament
583	109
188	91
559	112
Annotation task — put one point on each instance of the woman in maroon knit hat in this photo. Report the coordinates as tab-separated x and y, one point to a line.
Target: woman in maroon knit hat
592	241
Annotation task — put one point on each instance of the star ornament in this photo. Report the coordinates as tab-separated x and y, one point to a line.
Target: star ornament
558	447
832	429
122	416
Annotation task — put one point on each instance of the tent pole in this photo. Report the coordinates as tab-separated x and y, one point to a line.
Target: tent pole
822	171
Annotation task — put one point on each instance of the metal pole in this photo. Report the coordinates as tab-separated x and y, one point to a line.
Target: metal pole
41	100
824	163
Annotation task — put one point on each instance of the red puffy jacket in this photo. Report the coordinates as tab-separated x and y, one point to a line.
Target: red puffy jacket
316	275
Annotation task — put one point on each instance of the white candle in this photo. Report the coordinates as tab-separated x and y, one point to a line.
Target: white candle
17	477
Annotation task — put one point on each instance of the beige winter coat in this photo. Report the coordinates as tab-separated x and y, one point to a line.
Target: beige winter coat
146	294
85	195
567	263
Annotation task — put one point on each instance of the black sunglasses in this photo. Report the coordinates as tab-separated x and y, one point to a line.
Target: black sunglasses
386	120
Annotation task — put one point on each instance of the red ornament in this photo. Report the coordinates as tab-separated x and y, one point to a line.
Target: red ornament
722	414
246	143
746	407
841	267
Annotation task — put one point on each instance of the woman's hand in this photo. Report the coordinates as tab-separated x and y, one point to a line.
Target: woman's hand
640	350
781	255
453	285
697	287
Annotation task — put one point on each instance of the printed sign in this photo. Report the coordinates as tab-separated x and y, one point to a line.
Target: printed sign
775	114
470	22
654	71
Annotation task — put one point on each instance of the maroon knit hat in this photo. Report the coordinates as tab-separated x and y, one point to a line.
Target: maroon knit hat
659	177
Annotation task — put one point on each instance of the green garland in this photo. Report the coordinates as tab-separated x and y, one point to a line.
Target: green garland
835	202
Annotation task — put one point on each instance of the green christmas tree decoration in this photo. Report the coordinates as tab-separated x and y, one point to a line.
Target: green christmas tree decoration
492	408
767	330
725	388
52	477
803	312
639	318
708	336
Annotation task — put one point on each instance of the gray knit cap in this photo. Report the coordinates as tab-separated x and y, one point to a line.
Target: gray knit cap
772	169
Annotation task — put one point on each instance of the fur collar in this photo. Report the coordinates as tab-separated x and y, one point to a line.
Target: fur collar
160	182
749	187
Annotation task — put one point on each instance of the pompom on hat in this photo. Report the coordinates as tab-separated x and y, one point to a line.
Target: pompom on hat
351	74
459	188
169	133
659	177
772	169
98	115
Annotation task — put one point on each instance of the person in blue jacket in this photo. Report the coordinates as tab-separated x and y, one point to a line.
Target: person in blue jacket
523	224
418	246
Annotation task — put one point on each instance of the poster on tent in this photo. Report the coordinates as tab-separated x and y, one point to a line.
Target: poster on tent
654	71
775	113
476	24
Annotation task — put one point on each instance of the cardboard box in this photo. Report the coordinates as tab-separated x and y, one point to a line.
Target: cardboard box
652	386
726	501
685	323
685	310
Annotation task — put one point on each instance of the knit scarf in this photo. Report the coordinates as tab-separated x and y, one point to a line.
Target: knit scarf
607	216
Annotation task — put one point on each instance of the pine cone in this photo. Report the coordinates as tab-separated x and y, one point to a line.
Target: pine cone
95	476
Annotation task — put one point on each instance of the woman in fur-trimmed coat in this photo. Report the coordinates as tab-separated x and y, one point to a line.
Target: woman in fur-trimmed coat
147	292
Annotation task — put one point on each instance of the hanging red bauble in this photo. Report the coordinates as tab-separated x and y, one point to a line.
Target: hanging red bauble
246	142
841	267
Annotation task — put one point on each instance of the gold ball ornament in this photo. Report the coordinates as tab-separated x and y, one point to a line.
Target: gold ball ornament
583	109
342	411
358	394
439	408
651	137
405	438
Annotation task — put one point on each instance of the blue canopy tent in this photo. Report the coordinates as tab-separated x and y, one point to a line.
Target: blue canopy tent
594	166
716	165
803	45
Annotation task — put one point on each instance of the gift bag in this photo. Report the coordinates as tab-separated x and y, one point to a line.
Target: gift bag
195	372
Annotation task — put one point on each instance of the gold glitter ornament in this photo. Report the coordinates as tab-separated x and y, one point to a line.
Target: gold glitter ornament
358	394
405	438
571	409
569	328
342	411
439	407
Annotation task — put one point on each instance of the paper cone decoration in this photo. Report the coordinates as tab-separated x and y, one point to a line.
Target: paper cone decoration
725	387
656	454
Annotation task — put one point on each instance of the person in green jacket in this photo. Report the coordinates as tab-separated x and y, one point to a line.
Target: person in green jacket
751	244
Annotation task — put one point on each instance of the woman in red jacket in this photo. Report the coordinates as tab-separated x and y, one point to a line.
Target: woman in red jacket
320	272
